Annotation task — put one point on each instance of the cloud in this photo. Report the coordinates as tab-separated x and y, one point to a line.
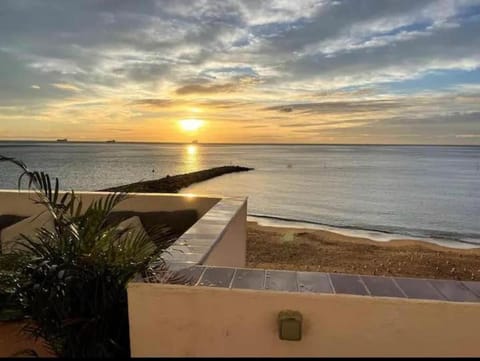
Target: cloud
143	71
238	83
299	125
292	64
408	129
154	102
206	89
127	130
348	107
65	86
255	126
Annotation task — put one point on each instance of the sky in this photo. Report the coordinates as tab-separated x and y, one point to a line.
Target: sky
303	71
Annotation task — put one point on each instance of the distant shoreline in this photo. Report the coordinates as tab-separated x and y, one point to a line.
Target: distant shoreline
172	184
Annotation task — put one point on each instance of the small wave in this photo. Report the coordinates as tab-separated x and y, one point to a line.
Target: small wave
376	234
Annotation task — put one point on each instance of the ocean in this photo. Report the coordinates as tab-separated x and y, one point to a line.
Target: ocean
383	192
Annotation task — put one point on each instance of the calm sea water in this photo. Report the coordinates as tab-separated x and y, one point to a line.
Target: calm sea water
424	191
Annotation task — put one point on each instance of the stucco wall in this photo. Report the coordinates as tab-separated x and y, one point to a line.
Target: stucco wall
168	320
22	203
231	249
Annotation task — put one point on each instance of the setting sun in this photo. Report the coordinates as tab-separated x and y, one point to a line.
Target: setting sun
191	125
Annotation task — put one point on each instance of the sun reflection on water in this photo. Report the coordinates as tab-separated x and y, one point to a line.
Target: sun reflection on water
192	149
191	158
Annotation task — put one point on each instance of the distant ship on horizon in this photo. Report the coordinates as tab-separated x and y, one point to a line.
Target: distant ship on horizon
63	140
111	141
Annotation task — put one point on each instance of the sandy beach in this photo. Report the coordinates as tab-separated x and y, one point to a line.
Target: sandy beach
319	250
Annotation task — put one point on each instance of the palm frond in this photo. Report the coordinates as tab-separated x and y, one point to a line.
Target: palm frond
70	279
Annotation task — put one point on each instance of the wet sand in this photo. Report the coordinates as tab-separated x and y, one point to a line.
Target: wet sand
325	251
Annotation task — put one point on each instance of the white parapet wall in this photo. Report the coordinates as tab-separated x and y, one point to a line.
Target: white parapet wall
231	251
218	237
169	320
22	203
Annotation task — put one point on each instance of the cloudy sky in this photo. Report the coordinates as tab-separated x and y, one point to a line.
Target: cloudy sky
275	71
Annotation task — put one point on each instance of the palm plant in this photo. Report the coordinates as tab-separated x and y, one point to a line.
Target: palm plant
70	281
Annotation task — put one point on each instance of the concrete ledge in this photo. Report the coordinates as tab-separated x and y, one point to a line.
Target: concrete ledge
333	283
218	238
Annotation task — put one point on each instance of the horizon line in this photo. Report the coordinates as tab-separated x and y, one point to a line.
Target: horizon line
228	143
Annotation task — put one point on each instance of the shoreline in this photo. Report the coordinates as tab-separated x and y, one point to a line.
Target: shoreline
373	235
307	249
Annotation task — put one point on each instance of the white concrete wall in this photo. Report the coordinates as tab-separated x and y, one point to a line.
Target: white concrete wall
168	320
22	203
231	249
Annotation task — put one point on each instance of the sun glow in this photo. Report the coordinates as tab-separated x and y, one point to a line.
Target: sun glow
191	149
191	125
